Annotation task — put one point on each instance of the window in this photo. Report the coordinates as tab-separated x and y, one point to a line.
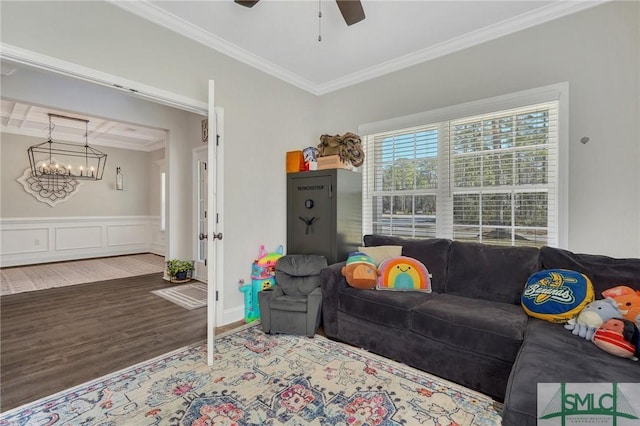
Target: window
490	177
163	201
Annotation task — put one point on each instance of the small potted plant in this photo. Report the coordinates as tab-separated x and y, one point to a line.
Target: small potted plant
179	270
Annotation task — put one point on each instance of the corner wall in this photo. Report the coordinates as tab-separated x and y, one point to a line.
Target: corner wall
598	52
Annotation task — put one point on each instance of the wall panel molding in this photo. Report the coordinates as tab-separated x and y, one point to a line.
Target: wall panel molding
27	241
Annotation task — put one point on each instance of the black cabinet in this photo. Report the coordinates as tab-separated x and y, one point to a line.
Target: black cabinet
324	213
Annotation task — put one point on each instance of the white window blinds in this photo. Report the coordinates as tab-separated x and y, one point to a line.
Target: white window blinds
491	178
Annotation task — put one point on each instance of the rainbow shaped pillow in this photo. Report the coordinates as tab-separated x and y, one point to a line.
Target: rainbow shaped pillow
403	273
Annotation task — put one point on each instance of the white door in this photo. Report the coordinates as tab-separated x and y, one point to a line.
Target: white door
200	197
214	222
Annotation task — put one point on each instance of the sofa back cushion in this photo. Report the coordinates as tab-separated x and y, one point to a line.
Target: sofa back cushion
489	272
604	272
433	253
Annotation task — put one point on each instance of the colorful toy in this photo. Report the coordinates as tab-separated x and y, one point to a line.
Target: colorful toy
628	301
265	265
263	273
360	271
618	337
556	295
592	317
403	273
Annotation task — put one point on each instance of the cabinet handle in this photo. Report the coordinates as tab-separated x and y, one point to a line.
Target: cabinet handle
330	190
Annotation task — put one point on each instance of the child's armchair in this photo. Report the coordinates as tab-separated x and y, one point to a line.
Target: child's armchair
293	305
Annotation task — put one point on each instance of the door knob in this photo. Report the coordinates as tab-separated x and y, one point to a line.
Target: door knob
202	236
217	236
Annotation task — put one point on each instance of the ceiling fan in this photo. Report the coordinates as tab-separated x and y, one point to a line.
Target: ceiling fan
351	10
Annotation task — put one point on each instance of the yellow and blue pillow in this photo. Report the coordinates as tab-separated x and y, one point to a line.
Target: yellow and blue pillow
556	295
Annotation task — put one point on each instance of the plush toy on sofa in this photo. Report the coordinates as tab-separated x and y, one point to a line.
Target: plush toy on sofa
360	271
556	295
619	337
592	317
628	301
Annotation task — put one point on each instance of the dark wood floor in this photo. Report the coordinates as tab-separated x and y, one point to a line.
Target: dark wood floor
58	338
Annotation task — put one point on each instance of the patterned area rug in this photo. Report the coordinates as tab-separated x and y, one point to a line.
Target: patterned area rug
260	379
49	275
189	296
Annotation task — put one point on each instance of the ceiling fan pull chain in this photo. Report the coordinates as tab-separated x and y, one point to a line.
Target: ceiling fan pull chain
319	20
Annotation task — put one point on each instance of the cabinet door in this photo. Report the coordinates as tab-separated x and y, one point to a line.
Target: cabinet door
310	216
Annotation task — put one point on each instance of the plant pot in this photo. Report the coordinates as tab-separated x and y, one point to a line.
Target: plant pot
181	277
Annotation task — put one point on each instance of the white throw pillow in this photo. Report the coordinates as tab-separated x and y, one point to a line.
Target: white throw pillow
381	253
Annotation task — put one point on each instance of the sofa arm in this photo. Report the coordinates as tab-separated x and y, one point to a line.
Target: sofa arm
332	283
314	303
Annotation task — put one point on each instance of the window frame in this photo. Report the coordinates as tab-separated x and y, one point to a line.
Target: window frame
555	92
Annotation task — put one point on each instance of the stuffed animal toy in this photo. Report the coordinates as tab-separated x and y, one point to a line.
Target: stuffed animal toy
348	147
592	317
360	271
628	301
619	337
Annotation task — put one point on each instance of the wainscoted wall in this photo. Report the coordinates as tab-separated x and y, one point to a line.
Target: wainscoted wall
25	241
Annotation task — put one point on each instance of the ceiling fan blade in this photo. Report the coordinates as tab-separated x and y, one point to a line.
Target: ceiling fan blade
351	10
247	3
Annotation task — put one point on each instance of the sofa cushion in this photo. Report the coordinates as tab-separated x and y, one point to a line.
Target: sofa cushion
381	253
432	252
387	308
605	272
491	328
489	272
551	354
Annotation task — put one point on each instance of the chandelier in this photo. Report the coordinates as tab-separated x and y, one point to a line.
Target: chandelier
59	161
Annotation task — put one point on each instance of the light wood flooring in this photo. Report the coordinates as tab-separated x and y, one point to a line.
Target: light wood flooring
57	338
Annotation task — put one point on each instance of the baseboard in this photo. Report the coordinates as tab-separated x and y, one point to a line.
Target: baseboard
232	315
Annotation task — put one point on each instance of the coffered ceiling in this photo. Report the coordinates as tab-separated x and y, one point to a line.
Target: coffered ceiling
32	120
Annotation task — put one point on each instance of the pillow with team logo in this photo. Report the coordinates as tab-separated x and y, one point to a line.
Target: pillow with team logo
556	295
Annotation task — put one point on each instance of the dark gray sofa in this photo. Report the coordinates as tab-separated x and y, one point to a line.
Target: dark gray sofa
472	329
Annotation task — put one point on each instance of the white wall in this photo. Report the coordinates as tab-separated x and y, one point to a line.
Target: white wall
97	198
264	117
72	95
597	51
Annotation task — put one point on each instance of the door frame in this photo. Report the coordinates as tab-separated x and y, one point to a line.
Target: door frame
151	94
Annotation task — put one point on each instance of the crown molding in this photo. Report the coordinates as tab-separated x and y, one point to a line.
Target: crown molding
152	13
159	16
492	32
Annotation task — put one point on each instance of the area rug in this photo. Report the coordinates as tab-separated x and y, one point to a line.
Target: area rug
260	379
20	279
189	296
